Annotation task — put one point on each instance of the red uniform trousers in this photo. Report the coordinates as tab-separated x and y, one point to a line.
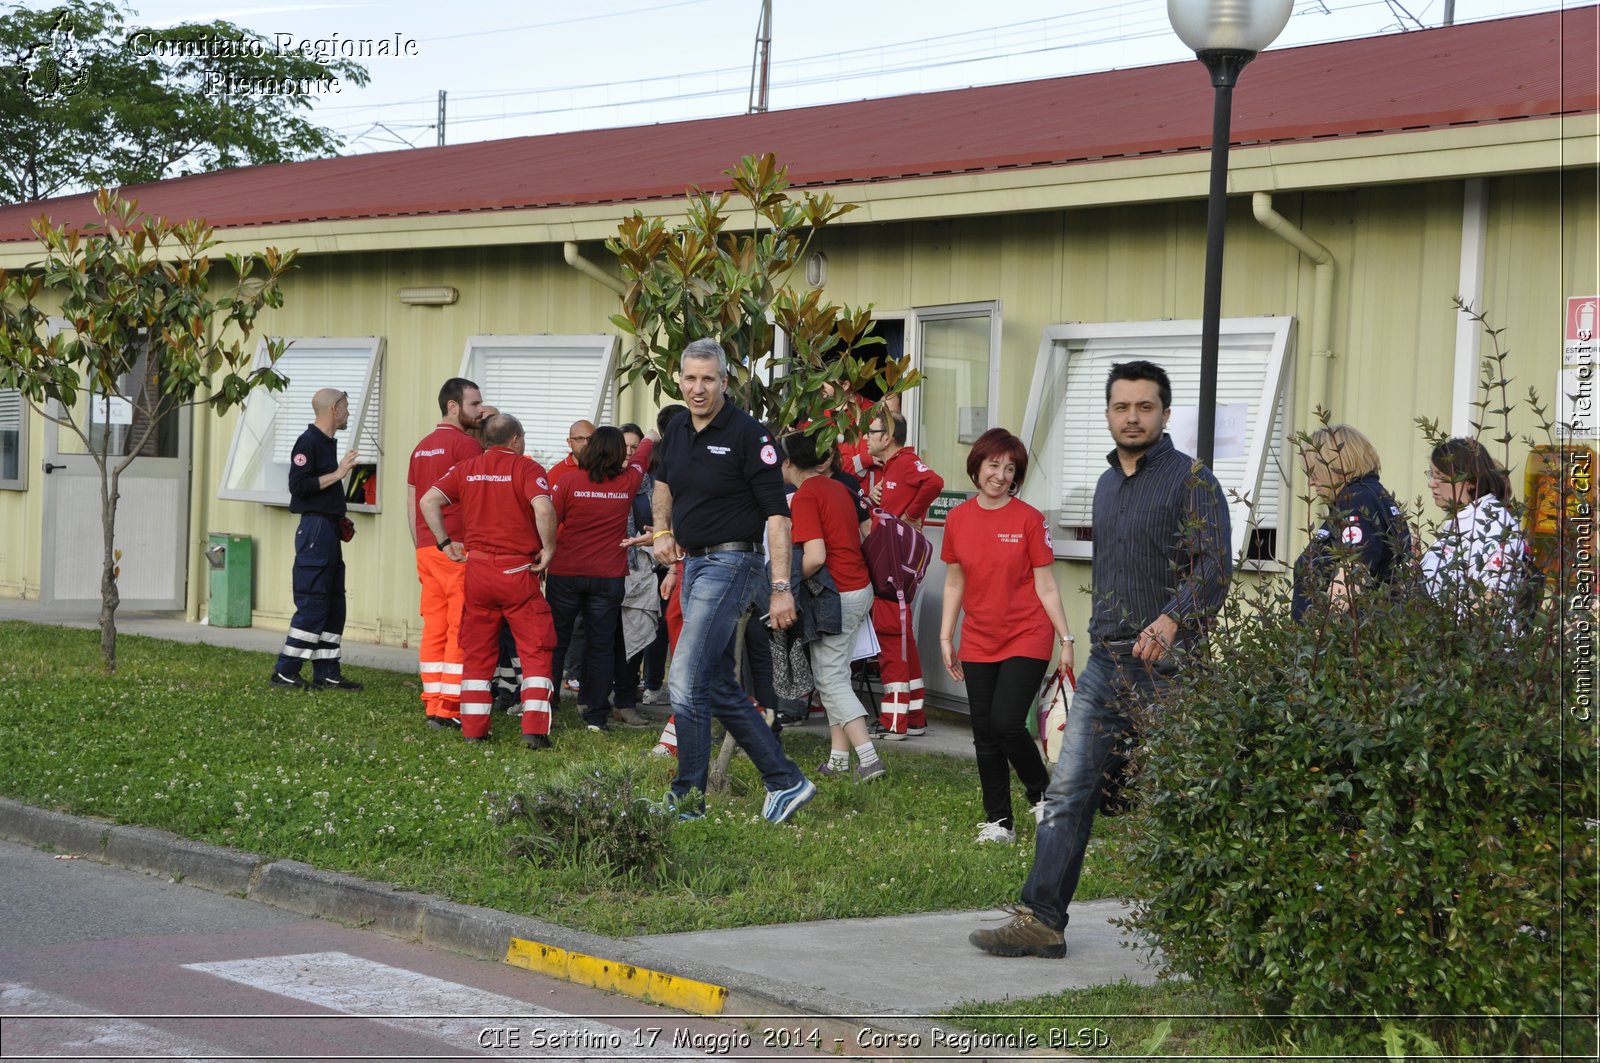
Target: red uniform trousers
504	586
669	733
899	668
439	650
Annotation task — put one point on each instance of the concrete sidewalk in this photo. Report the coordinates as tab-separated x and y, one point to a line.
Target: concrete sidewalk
891	971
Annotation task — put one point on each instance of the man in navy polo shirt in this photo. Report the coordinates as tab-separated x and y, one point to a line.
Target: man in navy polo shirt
719	488
316	492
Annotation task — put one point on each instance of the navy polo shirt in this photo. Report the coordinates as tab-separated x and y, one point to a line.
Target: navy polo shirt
313	457
726	479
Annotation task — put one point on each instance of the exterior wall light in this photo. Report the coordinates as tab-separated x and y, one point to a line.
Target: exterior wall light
438	295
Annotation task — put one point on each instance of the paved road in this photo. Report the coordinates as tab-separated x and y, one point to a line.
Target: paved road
99	963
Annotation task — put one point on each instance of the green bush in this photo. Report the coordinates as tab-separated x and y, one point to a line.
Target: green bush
1382	811
591	814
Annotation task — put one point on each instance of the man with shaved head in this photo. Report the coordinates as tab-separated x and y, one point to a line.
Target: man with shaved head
316	492
577	439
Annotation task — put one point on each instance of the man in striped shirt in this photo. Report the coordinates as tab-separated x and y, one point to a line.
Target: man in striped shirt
1161	570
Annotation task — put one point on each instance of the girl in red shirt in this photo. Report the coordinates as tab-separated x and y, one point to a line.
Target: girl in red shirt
998	557
827	532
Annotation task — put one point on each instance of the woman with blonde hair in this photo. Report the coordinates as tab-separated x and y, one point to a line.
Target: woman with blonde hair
1364	535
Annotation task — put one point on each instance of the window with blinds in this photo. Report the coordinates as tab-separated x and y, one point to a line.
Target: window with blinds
13	441
1068	439
258	459
547	383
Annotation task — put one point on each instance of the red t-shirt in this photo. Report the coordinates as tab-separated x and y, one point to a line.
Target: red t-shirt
822	509
495	493
998	549
440	449
594	519
562	469
909	486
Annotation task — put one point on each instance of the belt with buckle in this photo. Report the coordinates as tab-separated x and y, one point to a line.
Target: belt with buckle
724	548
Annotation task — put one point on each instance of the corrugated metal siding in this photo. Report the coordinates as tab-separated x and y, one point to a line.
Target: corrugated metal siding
1510	69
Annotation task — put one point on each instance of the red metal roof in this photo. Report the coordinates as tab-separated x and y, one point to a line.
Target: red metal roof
1533	66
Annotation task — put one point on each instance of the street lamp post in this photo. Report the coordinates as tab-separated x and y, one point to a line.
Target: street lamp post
1225	36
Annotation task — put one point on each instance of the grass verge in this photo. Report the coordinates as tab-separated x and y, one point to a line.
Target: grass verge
190	739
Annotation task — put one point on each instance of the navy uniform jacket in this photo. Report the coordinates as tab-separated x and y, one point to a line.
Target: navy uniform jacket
313	457
1365	527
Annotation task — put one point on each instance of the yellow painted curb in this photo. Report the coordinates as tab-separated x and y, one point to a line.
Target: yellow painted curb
685	994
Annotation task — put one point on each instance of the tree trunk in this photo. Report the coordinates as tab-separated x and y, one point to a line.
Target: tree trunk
108	567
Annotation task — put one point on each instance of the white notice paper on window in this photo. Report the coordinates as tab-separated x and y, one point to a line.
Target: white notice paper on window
1230	428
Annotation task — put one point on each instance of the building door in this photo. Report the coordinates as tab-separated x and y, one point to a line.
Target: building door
957	349
152	513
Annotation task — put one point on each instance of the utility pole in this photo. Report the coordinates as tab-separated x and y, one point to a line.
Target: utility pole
441	117
761	65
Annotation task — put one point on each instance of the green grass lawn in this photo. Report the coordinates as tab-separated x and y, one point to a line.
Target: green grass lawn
192	740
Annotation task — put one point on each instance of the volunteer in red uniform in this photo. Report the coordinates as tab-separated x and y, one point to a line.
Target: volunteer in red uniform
577	438
510	528
439	649
587	578
826	530
999	558
904	486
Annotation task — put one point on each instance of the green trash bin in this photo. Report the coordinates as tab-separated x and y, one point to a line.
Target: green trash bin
232	562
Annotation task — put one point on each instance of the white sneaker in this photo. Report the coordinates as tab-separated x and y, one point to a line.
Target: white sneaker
994	832
659	696
1038	811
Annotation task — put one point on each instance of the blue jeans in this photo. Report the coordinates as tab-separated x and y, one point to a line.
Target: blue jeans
598	601
1108	687
716	591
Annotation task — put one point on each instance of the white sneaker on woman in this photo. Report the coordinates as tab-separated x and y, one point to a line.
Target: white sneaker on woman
998	833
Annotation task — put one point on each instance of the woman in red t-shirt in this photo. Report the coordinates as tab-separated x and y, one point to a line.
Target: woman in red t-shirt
1013	623
828	534
588	571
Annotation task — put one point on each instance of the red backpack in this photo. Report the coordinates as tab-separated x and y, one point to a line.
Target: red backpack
897	557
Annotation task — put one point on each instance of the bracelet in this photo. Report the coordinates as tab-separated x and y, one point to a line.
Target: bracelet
442	543
659	534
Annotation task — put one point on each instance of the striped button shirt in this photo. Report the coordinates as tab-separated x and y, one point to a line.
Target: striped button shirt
1161	544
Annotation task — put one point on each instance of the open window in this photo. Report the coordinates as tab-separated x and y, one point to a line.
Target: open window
13	441
1065	426
258	460
547	383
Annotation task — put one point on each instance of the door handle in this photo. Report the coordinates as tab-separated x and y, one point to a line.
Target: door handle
48	468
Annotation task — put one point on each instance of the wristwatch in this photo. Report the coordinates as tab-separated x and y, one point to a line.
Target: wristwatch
442	543
780	586
1068	639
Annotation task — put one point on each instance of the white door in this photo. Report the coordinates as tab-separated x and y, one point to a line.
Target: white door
153	511
957	348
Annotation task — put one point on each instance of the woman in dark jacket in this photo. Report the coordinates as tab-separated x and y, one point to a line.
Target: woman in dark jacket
1365	538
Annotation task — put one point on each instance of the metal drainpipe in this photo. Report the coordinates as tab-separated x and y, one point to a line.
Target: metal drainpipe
569	251
1322	300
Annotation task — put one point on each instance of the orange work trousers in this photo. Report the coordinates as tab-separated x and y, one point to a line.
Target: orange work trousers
439	651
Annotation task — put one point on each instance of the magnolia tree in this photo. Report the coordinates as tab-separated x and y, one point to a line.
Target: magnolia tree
140	324
701	278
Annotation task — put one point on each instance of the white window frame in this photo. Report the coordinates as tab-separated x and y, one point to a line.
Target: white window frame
275	419
14	418
1174	345
545	427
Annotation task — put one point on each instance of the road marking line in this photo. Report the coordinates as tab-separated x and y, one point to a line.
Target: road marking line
673	991
455	1014
67	1029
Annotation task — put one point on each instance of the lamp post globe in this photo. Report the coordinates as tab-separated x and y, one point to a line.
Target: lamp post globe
1228	25
1225	36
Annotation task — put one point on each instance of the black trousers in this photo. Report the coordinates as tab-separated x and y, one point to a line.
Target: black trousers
999	695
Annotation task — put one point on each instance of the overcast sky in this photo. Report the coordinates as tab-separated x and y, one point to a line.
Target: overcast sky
545	67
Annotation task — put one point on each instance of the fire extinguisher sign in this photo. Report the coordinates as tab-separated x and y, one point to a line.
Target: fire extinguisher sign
1583	320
